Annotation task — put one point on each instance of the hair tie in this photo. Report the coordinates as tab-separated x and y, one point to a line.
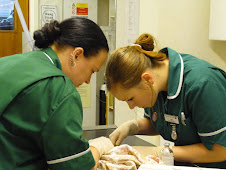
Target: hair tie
136	45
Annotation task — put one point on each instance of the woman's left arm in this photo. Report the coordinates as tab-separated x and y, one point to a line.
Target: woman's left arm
207	108
198	153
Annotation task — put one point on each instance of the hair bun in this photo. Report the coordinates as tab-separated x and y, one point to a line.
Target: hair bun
54	29
47	35
146	41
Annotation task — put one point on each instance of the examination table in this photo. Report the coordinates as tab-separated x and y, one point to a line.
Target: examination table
106	130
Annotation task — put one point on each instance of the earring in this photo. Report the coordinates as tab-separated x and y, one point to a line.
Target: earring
72	61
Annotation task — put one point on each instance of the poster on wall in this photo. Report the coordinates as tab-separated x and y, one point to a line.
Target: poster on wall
80	8
131	21
6	15
48	13
84	91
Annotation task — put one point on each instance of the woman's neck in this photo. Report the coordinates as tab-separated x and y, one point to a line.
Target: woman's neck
161	76
63	54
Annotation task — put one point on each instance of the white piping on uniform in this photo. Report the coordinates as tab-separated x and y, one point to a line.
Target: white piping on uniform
213	133
49	57
181	80
146	114
69	157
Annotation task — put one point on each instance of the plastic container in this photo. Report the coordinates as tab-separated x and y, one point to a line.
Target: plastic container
102	102
167	155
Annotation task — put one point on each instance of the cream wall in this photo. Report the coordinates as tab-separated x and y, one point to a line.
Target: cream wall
184	26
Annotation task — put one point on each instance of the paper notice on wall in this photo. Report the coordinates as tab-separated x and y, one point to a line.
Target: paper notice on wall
84	91
80	8
48	13
132	21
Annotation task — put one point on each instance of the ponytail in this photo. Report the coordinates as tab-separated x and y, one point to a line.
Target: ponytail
146	42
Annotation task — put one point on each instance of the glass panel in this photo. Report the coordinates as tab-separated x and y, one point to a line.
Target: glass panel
6	15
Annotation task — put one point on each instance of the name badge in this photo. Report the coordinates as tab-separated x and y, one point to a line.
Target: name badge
171	118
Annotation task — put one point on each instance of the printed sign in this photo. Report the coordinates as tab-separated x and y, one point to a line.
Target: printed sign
73	9
48	13
82	9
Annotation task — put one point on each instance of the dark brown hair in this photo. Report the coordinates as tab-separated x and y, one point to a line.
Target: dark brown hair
76	32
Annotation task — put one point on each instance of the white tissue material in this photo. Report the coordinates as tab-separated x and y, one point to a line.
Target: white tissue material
124	157
166	167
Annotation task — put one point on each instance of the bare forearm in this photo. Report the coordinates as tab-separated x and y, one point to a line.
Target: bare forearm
198	153
146	127
96	156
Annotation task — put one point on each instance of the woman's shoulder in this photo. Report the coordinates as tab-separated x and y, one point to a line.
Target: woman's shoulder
58	86
200	71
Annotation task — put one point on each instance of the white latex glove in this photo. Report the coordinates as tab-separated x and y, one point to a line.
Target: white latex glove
102	144
126	129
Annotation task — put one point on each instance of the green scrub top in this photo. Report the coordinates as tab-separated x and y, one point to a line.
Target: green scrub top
194	105
40	115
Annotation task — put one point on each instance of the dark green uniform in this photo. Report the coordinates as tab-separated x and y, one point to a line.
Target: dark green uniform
40	115
194	107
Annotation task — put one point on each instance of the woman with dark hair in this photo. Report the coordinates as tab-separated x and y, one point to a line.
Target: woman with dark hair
40	108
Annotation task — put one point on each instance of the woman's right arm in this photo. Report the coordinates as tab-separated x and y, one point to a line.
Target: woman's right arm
98	147
96	156
146	127
130	128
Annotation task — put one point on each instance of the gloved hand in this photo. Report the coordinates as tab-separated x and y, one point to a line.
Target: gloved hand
126	129
102	144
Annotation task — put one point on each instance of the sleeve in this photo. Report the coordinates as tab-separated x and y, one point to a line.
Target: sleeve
48	115
63	146
207	105
147	113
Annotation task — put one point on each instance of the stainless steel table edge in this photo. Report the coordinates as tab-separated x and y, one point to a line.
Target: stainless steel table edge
106	130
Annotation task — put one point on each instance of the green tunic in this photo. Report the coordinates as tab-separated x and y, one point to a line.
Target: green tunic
196	98
40	115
